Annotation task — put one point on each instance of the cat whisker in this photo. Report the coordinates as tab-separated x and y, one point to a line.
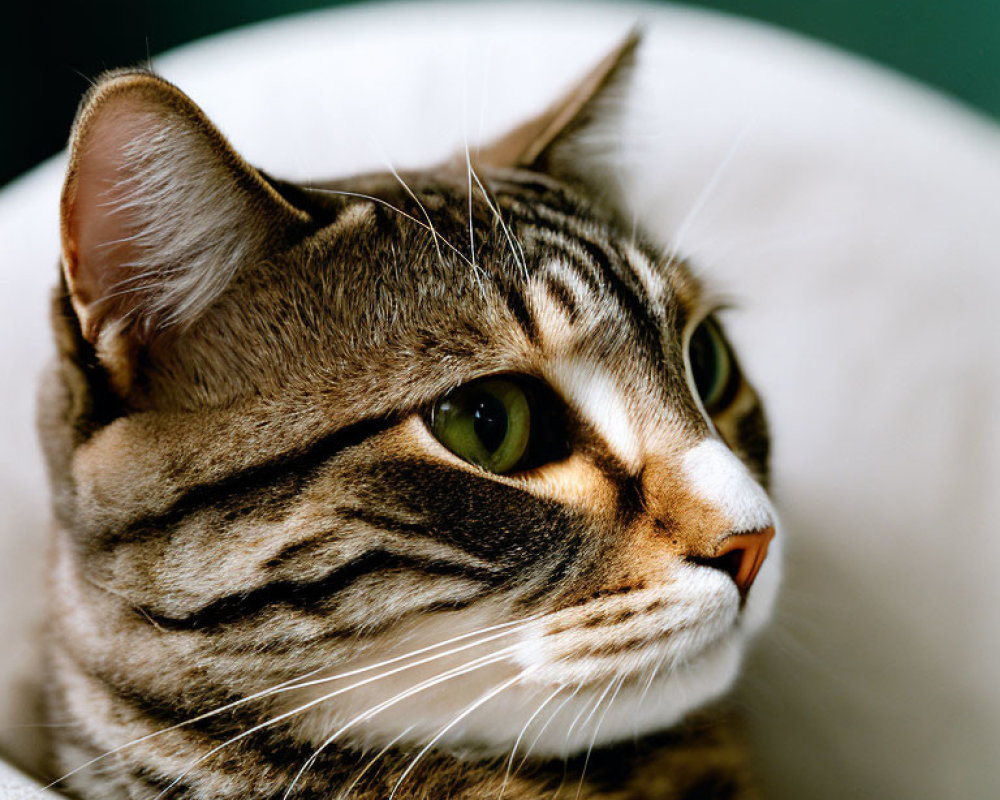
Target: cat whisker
163	731
429	683
423	209
597	728
372	762
508	630
549	721
301	682
621	164
520	736
485	698
593	710
725	248
521	261
642	697
387	204
324	698
703	197
472	234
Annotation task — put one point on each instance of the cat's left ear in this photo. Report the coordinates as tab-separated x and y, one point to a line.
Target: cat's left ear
158	212
574	139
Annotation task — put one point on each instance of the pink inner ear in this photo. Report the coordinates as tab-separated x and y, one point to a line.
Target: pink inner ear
100	234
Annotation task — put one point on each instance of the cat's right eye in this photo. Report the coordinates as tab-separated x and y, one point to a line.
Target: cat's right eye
502	424
713	368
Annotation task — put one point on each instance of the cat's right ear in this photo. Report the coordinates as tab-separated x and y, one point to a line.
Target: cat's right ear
158	213
576	138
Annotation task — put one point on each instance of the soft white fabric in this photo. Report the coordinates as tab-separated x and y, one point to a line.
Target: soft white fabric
15	785
850	213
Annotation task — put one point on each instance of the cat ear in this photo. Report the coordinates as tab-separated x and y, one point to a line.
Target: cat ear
158	211
572	140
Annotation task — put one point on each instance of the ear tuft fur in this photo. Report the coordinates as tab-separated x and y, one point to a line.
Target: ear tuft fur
158	211
575	139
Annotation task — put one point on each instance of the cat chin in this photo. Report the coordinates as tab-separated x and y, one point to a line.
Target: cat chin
612	710
542	721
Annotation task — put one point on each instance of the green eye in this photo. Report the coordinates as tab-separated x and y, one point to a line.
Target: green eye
488	423
713	370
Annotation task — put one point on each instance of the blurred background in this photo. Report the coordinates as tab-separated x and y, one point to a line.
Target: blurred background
49	49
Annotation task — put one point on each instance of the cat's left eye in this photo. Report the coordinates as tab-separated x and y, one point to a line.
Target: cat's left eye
501	424
713	368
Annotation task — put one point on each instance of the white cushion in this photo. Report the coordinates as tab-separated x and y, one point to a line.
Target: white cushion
853	216
15	785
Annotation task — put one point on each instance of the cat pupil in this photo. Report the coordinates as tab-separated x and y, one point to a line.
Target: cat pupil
704	366
490	421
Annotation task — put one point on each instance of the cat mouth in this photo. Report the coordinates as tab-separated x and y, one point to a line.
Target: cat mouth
657	636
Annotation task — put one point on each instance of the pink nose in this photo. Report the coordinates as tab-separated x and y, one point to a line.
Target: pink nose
741	556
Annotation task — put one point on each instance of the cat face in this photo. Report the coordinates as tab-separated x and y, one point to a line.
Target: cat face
455	453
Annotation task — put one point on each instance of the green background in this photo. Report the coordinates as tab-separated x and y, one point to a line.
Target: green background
48	49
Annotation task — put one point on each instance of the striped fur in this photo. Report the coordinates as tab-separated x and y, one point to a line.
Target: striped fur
269	578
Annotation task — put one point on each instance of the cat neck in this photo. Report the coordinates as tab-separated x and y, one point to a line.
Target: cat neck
703	758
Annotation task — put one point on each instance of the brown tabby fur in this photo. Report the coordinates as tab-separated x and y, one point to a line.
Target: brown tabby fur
242	489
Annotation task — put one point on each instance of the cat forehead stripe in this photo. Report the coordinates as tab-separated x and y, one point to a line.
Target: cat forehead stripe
560	271
650	277
552	317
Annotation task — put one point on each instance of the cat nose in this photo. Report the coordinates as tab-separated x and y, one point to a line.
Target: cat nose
740	556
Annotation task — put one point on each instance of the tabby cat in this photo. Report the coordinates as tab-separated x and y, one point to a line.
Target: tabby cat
442	484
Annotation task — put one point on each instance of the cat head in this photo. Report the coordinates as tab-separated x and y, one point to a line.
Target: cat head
457	451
